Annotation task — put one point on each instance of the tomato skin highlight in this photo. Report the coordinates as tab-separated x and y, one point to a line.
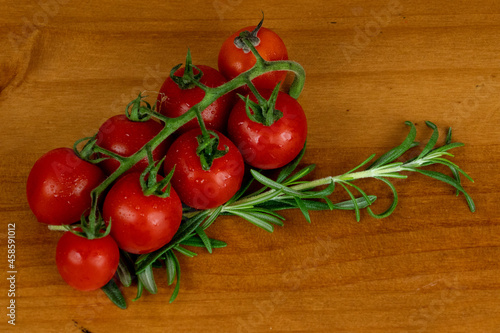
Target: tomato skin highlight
269	147
124	137
86	264
198	188
173	101
141	224
233	61
59	185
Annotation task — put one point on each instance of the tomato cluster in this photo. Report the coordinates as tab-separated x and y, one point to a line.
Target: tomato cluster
200	165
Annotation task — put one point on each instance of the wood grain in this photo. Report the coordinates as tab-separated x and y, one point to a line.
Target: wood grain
65	66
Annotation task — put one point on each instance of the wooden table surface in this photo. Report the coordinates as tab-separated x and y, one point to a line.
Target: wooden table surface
66	66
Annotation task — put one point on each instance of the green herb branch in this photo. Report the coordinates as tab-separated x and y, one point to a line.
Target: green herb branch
290	191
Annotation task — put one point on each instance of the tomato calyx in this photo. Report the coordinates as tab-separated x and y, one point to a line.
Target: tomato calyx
87	153
207	150
250	36
139	110
90	227
93	153
188	80
149	178
264	111
93	228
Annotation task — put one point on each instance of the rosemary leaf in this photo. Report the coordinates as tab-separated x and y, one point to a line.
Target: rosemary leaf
140	288
184	251
448	147
321	193
363	194
256	220
432	141
274	185
303	209
361	203
240	192
170	266
123	271
114	294
270	212
204	238
353	200
197	242
361	164
453	167
450	181
448	136
282	204
257	200
178	273
272	218
396	152
290	167
393	205
456	175
299	174
211	219
146	277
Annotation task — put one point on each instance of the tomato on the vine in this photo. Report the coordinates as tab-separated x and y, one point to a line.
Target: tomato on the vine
59	185
235	58
199	188
269	147
174	100
141	223
86	264
124	137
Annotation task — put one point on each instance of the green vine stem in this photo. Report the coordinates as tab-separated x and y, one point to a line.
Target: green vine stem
172	124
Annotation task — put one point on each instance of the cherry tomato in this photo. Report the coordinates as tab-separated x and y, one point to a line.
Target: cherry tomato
86	264
59	185
198	188
140	223
269	147
174	101
234	61
124	137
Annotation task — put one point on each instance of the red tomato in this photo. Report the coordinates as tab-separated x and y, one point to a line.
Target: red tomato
269	147
198	188
59	185
234	61
86	264
174	101
140	223
125	137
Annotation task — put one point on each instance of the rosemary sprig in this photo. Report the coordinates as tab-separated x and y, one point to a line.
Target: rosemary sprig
290	191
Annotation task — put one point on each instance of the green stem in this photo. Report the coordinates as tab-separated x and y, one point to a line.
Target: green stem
280	65
261	100
57	228
201	123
